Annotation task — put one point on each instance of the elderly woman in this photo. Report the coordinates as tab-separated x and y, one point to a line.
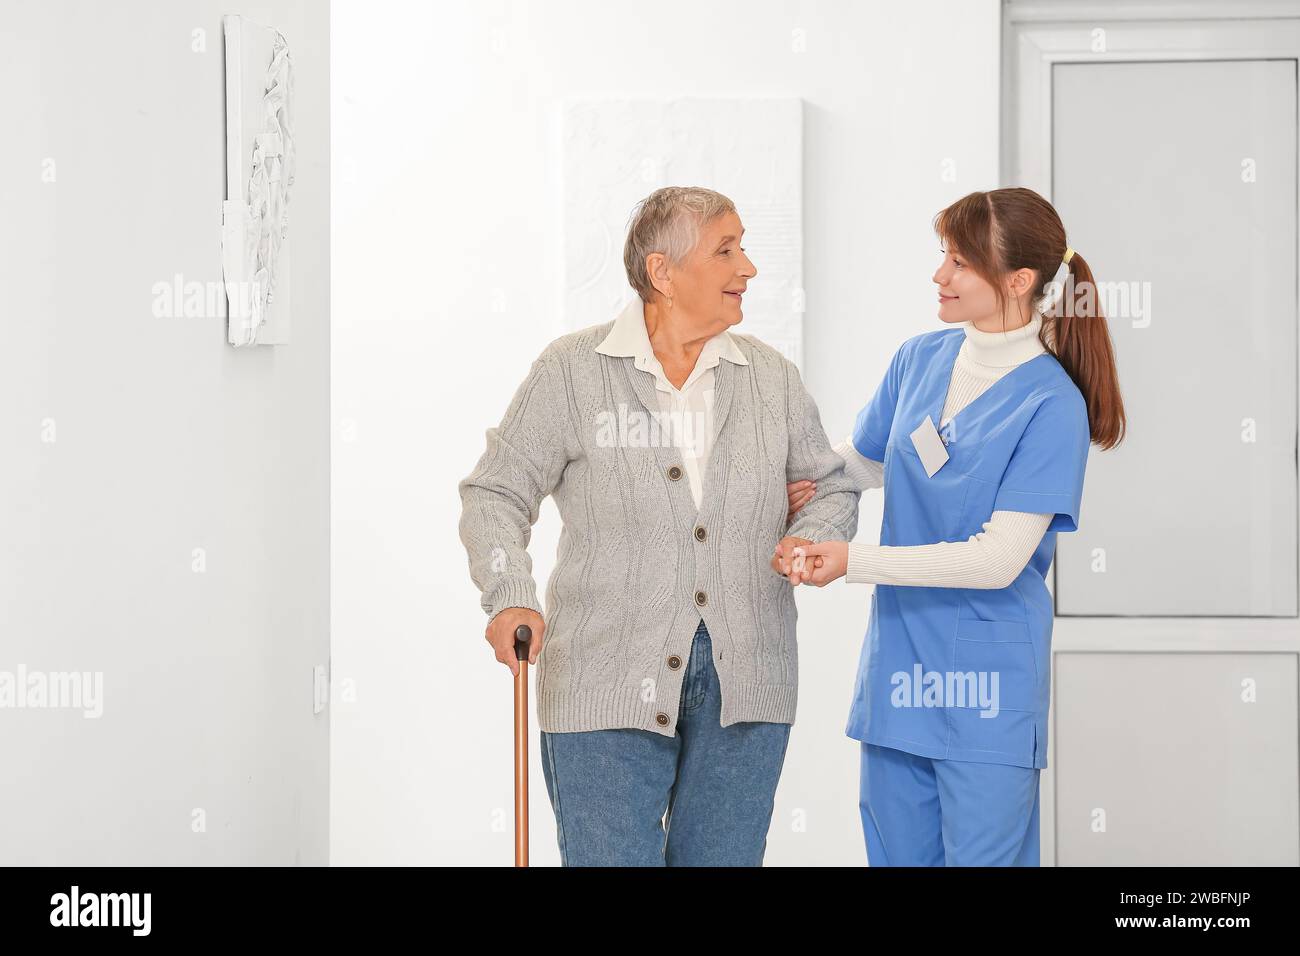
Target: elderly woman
667	664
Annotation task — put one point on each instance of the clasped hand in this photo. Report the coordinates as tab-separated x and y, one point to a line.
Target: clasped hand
803	562
817	564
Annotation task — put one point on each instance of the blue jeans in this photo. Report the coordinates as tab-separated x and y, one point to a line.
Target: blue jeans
612	789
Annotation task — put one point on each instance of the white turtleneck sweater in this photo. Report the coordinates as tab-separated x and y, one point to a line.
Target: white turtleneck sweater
995	556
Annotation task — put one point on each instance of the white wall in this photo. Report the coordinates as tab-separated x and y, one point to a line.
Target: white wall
167	440
446	200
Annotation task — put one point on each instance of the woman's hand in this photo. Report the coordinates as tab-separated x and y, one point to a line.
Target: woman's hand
783	558
824	562
501	635
799	494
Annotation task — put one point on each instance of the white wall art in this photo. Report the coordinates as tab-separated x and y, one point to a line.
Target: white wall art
617	151
259	177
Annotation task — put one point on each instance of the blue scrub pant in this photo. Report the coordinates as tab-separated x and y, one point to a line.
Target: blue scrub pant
919	811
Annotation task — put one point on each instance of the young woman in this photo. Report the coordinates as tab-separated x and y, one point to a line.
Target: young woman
982	427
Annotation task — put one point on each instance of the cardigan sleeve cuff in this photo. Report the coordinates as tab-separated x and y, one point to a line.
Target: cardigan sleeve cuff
813	530
513	592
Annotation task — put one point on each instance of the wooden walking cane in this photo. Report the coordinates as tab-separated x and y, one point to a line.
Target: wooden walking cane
523	637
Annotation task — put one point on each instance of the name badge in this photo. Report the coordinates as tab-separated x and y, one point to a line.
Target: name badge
929	446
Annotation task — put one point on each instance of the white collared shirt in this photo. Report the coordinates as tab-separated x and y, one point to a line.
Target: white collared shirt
688	410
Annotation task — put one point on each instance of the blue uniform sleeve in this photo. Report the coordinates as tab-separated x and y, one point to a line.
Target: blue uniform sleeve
871	429
1045	473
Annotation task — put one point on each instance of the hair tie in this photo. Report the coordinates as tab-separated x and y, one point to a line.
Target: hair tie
1056	287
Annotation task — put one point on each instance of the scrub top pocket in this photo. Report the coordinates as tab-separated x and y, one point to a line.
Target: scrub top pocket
1000	648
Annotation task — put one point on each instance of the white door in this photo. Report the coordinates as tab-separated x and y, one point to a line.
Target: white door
1169	150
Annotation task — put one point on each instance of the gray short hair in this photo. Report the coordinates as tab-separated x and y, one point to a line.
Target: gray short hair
668	221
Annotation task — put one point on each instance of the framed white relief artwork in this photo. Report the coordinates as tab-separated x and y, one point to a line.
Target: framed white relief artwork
618	151
255	233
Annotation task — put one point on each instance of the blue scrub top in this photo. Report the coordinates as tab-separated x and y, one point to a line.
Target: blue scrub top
963	673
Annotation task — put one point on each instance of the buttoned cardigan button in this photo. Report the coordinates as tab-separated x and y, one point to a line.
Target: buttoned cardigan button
700	534
661	719
674	472
701	598
674	662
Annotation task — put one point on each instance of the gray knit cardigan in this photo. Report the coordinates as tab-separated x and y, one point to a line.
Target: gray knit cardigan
637	565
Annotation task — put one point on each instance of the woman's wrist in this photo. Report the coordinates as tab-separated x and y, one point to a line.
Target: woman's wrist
860	566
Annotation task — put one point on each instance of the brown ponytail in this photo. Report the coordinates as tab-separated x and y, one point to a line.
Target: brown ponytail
1004	230
1082	345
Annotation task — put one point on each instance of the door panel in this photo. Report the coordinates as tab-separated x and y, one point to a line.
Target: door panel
1152	162
1176	760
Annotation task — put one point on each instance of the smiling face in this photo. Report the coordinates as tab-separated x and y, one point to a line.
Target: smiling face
707	287
966	296
963	295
